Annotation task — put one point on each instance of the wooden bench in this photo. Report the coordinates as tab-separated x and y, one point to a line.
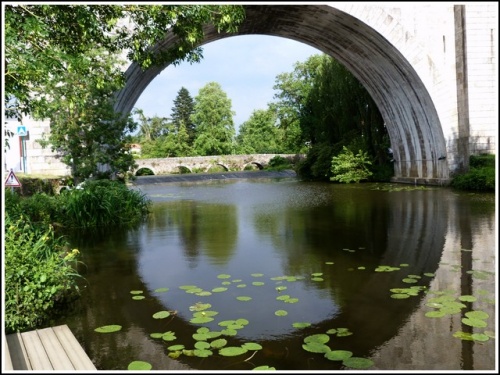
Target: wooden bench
54	348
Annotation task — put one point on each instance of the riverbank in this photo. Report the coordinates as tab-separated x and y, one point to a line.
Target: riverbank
187	177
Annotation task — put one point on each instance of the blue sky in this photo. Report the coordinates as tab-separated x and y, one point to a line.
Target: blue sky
245	66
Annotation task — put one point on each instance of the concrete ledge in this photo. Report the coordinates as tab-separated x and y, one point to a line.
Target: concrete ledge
422	181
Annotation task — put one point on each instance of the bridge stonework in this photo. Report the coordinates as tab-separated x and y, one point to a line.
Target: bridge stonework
430	67
161	166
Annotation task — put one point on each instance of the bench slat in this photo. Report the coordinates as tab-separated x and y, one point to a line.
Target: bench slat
36	353
74	350
7	360
17	352
54	349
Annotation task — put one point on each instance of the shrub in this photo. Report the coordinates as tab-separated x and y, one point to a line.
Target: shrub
39	275
480	177
347	167
278	163
103	203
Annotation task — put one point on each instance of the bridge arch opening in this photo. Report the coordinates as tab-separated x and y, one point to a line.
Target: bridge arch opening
253	166
145	171
184	169
414	128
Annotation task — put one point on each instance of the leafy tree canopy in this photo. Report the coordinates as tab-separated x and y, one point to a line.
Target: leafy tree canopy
42	41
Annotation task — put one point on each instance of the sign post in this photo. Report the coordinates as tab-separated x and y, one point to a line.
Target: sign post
12	181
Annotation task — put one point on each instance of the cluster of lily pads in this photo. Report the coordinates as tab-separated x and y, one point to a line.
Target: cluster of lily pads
447	302
209	342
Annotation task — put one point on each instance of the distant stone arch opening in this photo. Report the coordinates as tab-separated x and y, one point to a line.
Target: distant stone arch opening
144	171
253	166
184	169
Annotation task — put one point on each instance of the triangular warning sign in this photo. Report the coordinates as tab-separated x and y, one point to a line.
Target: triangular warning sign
12	180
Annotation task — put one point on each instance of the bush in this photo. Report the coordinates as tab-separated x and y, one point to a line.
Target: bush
480	177
347	167
278	163
103	203
39	275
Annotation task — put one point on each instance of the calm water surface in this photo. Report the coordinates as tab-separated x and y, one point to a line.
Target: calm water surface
270	253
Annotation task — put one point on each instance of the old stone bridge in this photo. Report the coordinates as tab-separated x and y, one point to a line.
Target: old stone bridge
431	68
161	166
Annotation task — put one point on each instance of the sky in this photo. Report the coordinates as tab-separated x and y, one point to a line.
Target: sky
245	66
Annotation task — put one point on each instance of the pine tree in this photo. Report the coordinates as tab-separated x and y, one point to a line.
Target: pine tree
181	113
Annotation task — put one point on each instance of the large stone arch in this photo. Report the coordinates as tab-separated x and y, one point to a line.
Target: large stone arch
411	118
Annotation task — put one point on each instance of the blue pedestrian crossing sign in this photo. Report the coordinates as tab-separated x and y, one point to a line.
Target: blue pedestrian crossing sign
22	131
12	180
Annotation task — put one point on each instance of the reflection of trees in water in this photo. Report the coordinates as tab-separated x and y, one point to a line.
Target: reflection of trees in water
395	228
205	228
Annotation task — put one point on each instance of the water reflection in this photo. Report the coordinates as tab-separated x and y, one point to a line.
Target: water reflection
256	231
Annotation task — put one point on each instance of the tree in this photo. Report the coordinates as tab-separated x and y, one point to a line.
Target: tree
58	61
213	119
292	93
182	111
339	111
259	135
41	40
85	130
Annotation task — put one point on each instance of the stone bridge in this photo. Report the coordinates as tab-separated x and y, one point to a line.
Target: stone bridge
161	166
431	68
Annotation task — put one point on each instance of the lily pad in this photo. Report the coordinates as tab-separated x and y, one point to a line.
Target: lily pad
187	287
232	351
251	346
175	347
242	321
168	336
292	300
108	329
136	292
478	323
315	347
319	337
161	315
223	276
200	306
435	314
475	314
201	319
467	298
317	279
264	368
283	297
258	283
463	335
301	325
161	290
243	298
229	332
280	313
358	362
199	314
400	295
138	297
139	365
202	353
338	355
480	337
202	345
257	274
219	343
201	336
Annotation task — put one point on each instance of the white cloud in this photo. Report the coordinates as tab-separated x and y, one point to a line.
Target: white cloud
245	67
